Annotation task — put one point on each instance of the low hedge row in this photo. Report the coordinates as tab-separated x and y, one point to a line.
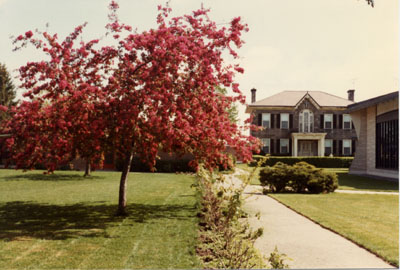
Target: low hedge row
166	166
320	162
178	165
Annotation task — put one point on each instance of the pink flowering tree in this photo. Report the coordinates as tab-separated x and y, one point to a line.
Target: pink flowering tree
154	90
60	120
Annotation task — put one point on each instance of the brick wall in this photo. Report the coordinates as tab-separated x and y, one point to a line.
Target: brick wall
359	163
275	133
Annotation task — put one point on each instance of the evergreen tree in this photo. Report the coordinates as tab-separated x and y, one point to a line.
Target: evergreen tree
7	89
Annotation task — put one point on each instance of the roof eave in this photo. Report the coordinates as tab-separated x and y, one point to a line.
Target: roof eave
371	102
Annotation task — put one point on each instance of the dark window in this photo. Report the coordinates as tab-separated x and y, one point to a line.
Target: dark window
284	143
347	147
387	144
346	121
266	119
328	147
328	121
284	120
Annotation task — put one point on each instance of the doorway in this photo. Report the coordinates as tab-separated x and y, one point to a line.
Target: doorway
307	148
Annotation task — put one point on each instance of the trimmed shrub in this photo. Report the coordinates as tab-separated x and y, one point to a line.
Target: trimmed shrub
319	162
300	178
277	177
322	181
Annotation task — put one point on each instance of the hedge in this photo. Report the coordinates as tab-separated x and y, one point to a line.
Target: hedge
319	162
178	165
300	178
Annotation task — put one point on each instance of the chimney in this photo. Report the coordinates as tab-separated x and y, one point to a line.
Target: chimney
253	95
350	94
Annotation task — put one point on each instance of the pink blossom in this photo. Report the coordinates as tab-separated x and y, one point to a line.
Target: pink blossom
29	34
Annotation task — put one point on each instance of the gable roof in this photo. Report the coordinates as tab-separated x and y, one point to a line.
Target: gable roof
292	98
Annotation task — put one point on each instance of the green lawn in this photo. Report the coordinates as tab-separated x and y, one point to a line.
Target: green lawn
356	182
67	221
346	181
369	220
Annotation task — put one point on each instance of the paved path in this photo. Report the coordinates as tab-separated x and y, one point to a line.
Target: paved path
365	192
306	243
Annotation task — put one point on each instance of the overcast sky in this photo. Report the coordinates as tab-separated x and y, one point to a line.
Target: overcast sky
329	45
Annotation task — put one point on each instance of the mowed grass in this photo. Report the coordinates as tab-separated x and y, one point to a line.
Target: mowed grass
372	221
346	181
67	221
357	182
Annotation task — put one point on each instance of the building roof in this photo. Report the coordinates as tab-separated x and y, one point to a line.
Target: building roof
372	101
291	99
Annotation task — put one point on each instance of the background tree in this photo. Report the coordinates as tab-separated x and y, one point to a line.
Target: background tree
233	109
154	90
370	2
7	91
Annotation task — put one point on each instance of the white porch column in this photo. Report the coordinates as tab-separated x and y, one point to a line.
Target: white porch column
321	146
294	146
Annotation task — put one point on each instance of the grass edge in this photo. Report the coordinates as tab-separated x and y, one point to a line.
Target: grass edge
330	229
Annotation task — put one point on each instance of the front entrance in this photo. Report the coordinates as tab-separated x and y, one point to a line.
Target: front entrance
307	148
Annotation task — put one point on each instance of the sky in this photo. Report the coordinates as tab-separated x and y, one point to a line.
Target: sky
329	45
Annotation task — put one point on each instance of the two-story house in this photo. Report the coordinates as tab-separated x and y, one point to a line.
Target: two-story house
304	123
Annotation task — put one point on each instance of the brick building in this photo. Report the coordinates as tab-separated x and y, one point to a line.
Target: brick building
376	123
304	123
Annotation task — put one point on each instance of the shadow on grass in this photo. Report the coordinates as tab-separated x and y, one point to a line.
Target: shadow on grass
363	182
26	220
50	177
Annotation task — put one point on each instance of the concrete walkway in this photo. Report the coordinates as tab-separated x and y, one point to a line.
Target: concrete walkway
365	192
306	243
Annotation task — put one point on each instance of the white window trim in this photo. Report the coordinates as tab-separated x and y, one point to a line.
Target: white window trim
328	121
346	121
288	119
268	140
329	140
262	120
280	146
350	143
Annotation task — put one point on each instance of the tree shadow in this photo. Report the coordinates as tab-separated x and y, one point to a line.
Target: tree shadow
50	177
25	220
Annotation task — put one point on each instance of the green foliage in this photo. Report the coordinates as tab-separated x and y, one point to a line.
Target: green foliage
232	110
277	260
7	90
231	164
225	239
320	162
300	178
276	177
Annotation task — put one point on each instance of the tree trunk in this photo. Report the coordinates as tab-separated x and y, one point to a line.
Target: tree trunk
123	184
87	168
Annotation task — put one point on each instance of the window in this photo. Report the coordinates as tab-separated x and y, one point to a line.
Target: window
266	145
328	121
266	120
306	121
387	141
284	147
284	120
328	147
347	147
346	121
